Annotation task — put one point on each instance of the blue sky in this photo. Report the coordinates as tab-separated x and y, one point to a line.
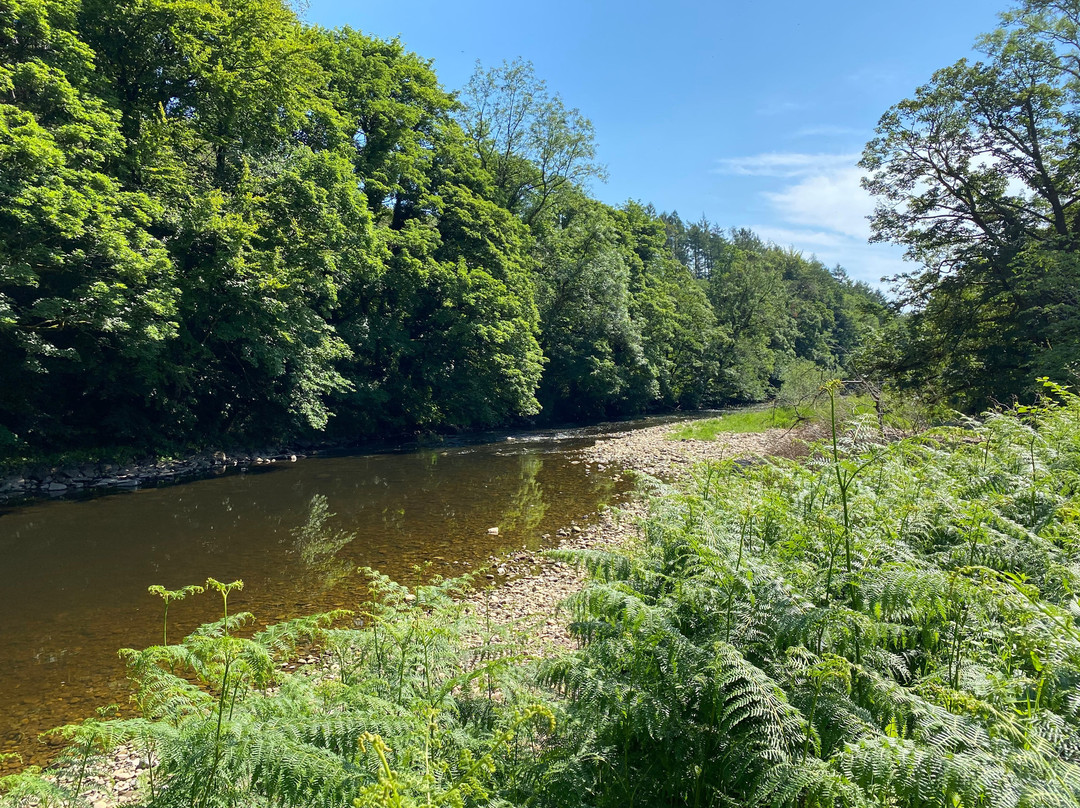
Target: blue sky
751	114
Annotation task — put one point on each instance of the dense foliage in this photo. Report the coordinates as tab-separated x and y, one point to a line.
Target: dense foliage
976	175
887	624
882	624
775	310
221	225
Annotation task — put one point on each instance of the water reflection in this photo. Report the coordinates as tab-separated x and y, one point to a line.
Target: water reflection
75	574
319	543
526	508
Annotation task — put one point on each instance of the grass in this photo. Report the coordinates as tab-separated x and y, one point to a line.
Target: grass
782	417
745	421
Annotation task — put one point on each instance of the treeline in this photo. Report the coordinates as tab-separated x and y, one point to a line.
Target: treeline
978	176
776	312
219	224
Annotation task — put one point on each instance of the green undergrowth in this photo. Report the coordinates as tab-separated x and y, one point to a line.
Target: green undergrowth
408	712
881	624
816	409
757	420
19	459
15	461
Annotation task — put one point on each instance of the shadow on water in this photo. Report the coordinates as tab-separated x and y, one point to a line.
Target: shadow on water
75	573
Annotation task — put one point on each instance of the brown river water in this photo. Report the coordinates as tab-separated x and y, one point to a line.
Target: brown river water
74	574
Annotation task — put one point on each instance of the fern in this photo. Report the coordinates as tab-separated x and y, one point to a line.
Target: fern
881	625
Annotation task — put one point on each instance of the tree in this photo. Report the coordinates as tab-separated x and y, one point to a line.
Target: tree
443	330
671	309
532	145
596	363
87	293
393	116
977	176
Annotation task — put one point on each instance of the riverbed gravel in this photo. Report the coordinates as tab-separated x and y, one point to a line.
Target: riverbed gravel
529	588
536	585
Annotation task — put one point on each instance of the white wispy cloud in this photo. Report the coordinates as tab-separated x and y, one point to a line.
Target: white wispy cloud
829	198
819	208
784	164
805	238
827	130
862	261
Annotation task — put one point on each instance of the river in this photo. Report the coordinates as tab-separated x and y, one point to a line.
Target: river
75	574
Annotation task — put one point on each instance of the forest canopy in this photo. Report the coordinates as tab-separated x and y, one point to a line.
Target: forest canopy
219	224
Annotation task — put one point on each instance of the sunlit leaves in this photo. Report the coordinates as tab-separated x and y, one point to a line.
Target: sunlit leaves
936	667
976	176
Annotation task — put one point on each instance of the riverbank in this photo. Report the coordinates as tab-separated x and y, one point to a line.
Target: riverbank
27	482
37	481
533	585
70	475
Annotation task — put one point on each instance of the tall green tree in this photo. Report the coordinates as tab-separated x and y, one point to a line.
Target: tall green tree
596	363
976	176
671	308
443	333
87	293
531	144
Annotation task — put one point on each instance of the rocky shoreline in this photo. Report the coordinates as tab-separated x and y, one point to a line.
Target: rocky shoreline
637	449
533	584
536	585
55	482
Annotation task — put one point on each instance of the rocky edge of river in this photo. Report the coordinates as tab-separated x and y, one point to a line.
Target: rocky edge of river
39	482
